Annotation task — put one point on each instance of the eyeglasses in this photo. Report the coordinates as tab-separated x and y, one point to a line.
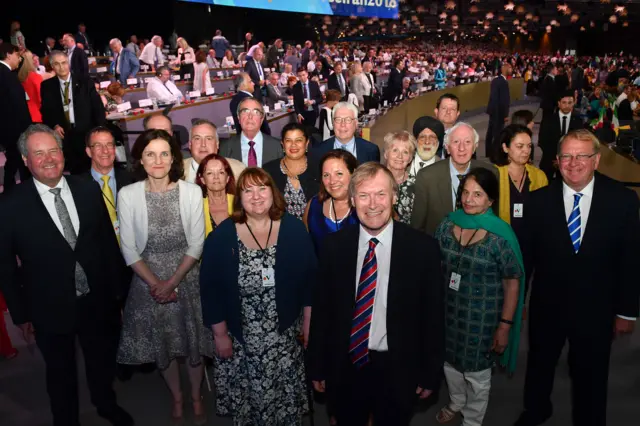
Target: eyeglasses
580	158
103	147
345	120
246	111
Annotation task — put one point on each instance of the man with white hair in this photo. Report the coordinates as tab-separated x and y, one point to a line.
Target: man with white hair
152	53
254	68
437	185
345	123
125	64
284	77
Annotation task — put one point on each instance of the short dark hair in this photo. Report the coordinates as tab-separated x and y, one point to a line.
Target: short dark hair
566	94
231	185
448	96
333	95
338	154
300	69
255	176
522	117
145	121
487	181
162	68
95	130
138	171
7	49
306	130
500	158
200	56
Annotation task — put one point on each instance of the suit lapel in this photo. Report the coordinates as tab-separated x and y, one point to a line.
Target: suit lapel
395	278
597	214
444	188
81	208
559	216
351	253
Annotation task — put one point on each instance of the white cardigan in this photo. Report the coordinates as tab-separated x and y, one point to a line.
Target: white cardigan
134	220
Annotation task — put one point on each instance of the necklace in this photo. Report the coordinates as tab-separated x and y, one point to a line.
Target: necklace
332	214
288	172
519	185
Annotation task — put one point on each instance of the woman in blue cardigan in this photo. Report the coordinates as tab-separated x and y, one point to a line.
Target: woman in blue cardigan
256	283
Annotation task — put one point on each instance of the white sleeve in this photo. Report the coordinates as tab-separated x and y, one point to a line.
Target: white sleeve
128	246
197	231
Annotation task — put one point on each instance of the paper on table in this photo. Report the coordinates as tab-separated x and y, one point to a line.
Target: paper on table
132	81
101	69
124	107
176	77
195	94
266	109
210	91
104	84
145	103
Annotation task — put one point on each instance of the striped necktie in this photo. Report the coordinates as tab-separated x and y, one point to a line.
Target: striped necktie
575	231
363	311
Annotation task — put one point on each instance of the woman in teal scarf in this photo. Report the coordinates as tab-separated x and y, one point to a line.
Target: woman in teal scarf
483	266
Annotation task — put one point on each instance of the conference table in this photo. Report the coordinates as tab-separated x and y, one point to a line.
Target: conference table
221	86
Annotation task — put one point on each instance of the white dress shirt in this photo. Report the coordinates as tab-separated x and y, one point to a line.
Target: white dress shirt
70	53
585	207
191	171
568	120
455	182
148	54
419	164
72	117
164	93
349	146
259	68
48	199
244	146
378	331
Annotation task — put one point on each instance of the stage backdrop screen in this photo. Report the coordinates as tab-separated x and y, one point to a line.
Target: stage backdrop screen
365	8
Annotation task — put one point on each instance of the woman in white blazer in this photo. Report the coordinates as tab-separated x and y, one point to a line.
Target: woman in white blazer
359	85
162	235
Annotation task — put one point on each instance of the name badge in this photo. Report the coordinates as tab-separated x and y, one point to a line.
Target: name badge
454	282
66	108
145	103
132	81
104	84
187	76
518	210
268	277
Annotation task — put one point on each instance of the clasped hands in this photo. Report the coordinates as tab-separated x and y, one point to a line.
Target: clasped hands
163	291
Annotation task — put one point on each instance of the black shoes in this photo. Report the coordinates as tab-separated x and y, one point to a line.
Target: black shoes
527	418
117	416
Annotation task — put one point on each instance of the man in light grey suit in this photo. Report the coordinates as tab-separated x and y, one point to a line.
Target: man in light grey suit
437	185
252	147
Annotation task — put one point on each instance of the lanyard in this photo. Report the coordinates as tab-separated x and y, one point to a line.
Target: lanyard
337	221
462	248
263	250
520	185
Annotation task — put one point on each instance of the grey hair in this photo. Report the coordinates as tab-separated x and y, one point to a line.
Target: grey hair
155	38
447	136
348	105
402	136
369	170
406	79
202	122
115	41
32	130
245	100
55	53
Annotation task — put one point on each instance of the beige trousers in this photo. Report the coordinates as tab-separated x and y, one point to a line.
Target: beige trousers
469	393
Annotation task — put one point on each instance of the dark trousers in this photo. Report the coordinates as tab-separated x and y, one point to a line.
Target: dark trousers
589	351
546	163
76	160
310	118
99	345
13	164
369	392
496	124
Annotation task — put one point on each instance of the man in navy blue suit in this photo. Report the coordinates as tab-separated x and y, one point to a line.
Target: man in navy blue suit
345	122
498	108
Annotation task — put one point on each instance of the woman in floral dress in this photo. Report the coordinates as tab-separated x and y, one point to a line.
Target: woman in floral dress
399	150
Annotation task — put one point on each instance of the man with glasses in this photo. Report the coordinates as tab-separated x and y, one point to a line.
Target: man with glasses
162	88
203	140
252	147
345	123
583	232
429	133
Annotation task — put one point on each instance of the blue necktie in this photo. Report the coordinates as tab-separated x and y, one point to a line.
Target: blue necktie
575	231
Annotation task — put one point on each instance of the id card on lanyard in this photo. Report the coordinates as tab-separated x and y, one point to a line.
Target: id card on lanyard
456	278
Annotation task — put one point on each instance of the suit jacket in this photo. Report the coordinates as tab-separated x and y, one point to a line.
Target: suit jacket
298	97
394	85
365	150
251	69
333	84
361	87
562	83
548	93
499	99
14	112
433	194
271	148
415	310
309	180
273	97
233	107
87	106
551	130
44	293
84	39
577	79
586	289
129	66
79	63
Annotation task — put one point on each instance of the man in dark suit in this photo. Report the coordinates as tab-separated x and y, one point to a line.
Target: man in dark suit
49	46
69	285
437	185
548	91
577	79
394	84
256	73
345	123
377	348
251	146
371	99
306	99
585	284
125	63
77	58
337	81
82	37
275	55
71	106
555	126
497	108
244	89
274	94
14	114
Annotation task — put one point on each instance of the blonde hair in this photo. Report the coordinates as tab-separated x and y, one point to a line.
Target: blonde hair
403	136
582	135
181	40
369	170
27	66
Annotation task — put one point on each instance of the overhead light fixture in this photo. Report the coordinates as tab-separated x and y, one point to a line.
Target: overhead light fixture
553	22
443	15
489	15
473	9
516	22
575	18
520	9
509	6
583	29
625	24
613	19
548	28
450	5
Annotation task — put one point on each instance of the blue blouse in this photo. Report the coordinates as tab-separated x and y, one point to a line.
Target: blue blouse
320	226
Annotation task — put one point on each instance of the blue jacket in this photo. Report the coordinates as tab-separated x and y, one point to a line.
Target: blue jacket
129	66
220	45
365	150
295	275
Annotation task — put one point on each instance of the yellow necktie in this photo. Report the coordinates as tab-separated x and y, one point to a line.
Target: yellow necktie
110	201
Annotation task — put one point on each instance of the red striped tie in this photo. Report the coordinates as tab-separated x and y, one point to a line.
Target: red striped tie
363	311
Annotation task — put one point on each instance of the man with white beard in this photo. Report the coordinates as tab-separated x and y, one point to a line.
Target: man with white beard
429	132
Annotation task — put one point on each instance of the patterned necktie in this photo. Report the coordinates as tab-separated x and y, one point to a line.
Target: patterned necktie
82	286
574	223
253	157
66	101
363	311
110	201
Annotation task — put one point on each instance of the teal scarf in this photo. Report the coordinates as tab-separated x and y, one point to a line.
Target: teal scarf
492	223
